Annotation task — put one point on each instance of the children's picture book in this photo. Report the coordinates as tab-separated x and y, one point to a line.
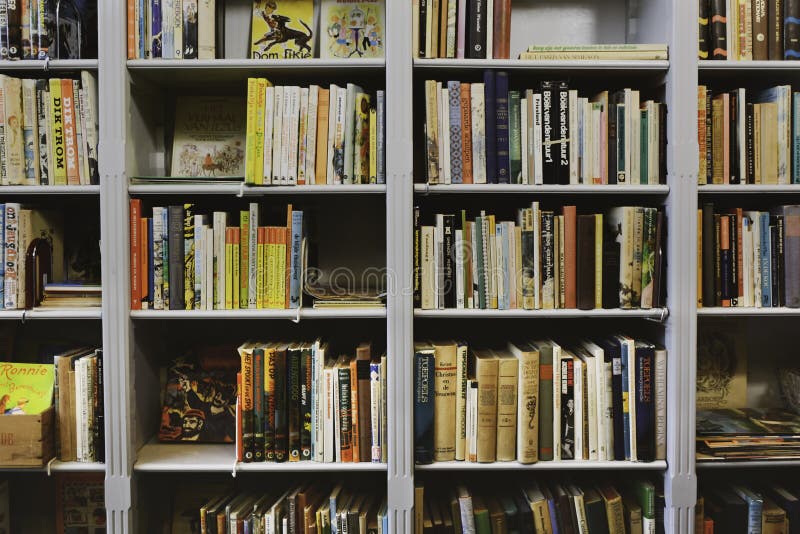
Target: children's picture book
282	29
209	139
721	367
352	29
25	388
80	504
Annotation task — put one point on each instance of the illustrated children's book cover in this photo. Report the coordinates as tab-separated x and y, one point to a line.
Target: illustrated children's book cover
209	137
282	29
352	29
80	504
25	388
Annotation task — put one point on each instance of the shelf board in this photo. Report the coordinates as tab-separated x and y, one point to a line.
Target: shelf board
241	190
57	466
748	312
753	66
542	189
752	188
564	465
304	313
544	65
49	190
67	313
52	65
751	464
655	313
167	457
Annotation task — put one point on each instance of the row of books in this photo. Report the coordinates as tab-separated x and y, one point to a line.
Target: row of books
748	138
182	259
635	506
49	131
768	508
540	261
540	401
461	29
78	398
298	402
749	258
307	507
32	29
315	136
486	133
743	30
747	434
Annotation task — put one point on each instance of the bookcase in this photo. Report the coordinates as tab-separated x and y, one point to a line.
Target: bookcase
371	226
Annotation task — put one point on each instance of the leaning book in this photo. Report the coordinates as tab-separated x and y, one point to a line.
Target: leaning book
282	30
25	388
209	140
352	29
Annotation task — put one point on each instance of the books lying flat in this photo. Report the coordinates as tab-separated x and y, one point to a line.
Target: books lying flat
747	434
595	52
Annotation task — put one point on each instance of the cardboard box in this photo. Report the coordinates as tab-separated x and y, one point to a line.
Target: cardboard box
27	440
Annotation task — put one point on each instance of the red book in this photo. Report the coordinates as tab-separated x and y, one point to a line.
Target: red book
144	266
501	43
70	132
131	30
135	238
570	256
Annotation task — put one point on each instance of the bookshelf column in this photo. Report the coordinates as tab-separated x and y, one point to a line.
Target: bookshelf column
399	262
114	246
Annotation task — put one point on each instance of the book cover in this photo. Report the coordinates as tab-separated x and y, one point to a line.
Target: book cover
444	433
423	404
352	29
282	29
209	139
25	388
721	367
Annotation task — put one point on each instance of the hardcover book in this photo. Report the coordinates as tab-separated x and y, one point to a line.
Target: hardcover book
209	139
721	368
352	29
25	388
282	29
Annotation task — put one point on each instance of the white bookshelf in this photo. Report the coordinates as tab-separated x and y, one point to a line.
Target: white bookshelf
298	314
565	465
242	190
54	65
658	314
46	190
490	189
623	66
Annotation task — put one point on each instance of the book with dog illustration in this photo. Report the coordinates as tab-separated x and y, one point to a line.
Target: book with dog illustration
282	29
352	29
209	137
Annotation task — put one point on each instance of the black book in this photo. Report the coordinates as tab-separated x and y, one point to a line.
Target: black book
305	403
733	280
567	415
293	357
644	397
14	28
176	264
502	128
709	245
791	29
423	20
611	266
728	511
781	231
774	265
662	140
750	156
614	99
449	237
702	41
563	134
789	502
476	30
490	125
549	134
585	262
281	419
719	287
735	176
613	355
423	404
719	45
417	272
658	262
775	29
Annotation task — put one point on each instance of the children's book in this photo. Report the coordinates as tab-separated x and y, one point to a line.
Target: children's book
352	29
282	29
25	388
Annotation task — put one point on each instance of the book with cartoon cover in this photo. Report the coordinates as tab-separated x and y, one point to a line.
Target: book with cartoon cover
25	388
352	29
282	29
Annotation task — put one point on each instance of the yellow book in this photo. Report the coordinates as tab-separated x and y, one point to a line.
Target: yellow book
373	146
261	102
244	257
235	275
598	261
261	290
228	269
250	153
492	262
271	267
280	270
283	30
56	120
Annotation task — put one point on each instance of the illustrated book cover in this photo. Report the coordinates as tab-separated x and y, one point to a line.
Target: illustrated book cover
352	29
282	29
25	388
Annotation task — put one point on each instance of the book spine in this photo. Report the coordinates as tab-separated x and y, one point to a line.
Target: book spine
206	43
501	42
765	261
502	126
188	256
486	373
775	29
281	407
455	132
70	132
306	399
135	214
14	28
269	404
246	402
375	412
490	125
445	376
645	404
177	28
627	398
423	407
201	249
719	21
703	34
478	133
42	102
568	420
176	252
380	142
293	378
563	134
345	426
759	25
476	34
515	138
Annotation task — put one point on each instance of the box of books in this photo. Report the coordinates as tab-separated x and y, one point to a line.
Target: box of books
26	414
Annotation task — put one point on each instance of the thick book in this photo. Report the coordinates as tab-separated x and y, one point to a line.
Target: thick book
644	397
759	30
549	133
570	255
791	252
507	391
585	262
486	373
528	361
476	29
718	30
424	355
703	33
444	431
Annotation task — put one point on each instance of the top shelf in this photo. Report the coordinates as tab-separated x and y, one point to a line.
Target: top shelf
46	66
544	65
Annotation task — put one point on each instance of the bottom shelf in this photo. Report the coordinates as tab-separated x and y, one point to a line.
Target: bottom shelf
587	465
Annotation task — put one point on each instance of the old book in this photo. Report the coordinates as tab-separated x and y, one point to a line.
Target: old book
424	355
527	355
614	509
282	32
461	400
721	385
445	385
507	378
548	351
362	37
486	373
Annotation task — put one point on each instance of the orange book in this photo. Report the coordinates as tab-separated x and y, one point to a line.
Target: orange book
724	256
708	526
144	267
70	132
570	257
466	134
287	271
323	110
135	238
354	409
131	29
501	42
261	273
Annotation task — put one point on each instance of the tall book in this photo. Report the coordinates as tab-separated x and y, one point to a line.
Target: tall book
486	373
424	355
528	356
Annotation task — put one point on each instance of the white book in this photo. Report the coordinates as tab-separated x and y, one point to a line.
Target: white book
334	399
478	110
384	406
318	400
747	264
604	413
177	29
556	400
472	421
592	403
513	264
652	145
80	393
333	99
295	131
582	140
206	22
444	134
302	137
328	416
537	257
350	132
579	397
661	403
784	133
158	265
438	261
572	134
209	269
277	133
755	259
291	109
200	222
80	112
30	129
523	130
311	135
536	134
269	124
376	401
167	40
499	266
459	245
489	30
491	249
89	84
220	224
252	257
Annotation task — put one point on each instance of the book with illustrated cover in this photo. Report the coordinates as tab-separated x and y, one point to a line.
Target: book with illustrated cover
352	29
80	504
25	388
282	29
209	139
721	368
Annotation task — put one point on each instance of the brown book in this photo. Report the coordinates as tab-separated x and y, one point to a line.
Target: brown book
354	410
434	7
699	514
699	271
633	516
586	262
308	500
773	518
501	37
702	134
444	411
708	526
724	250
466	134
760	46
769	143
486	369
443	9
570	222
564	510
757	143
323	110
363	356
613	504
497	516
507	382
65	407
719	107
419	507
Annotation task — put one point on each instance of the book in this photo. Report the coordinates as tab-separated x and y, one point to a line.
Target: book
352	29
282	31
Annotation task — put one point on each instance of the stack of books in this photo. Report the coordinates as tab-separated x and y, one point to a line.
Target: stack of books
767	508
541	261
748	138
78	399
536	506
300	403
747	434
485	133
461	29
314	136
748	258
45	30
71	296
538	401
184	260
49	131
596	52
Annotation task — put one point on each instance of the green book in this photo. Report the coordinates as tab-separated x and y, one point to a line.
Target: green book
646	496
515	137
545	400
643	148
483	523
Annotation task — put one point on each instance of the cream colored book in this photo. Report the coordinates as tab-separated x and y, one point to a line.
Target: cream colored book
507	377
486	373
445	387
527	355
428	268
462	353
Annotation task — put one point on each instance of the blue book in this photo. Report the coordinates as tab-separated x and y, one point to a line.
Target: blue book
755	505
644	398
150	264
381	112
423	404
501	129
2	251
551	507
142	28
155	16
766	260
626	361
456	164
490	126
796	138
296	259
